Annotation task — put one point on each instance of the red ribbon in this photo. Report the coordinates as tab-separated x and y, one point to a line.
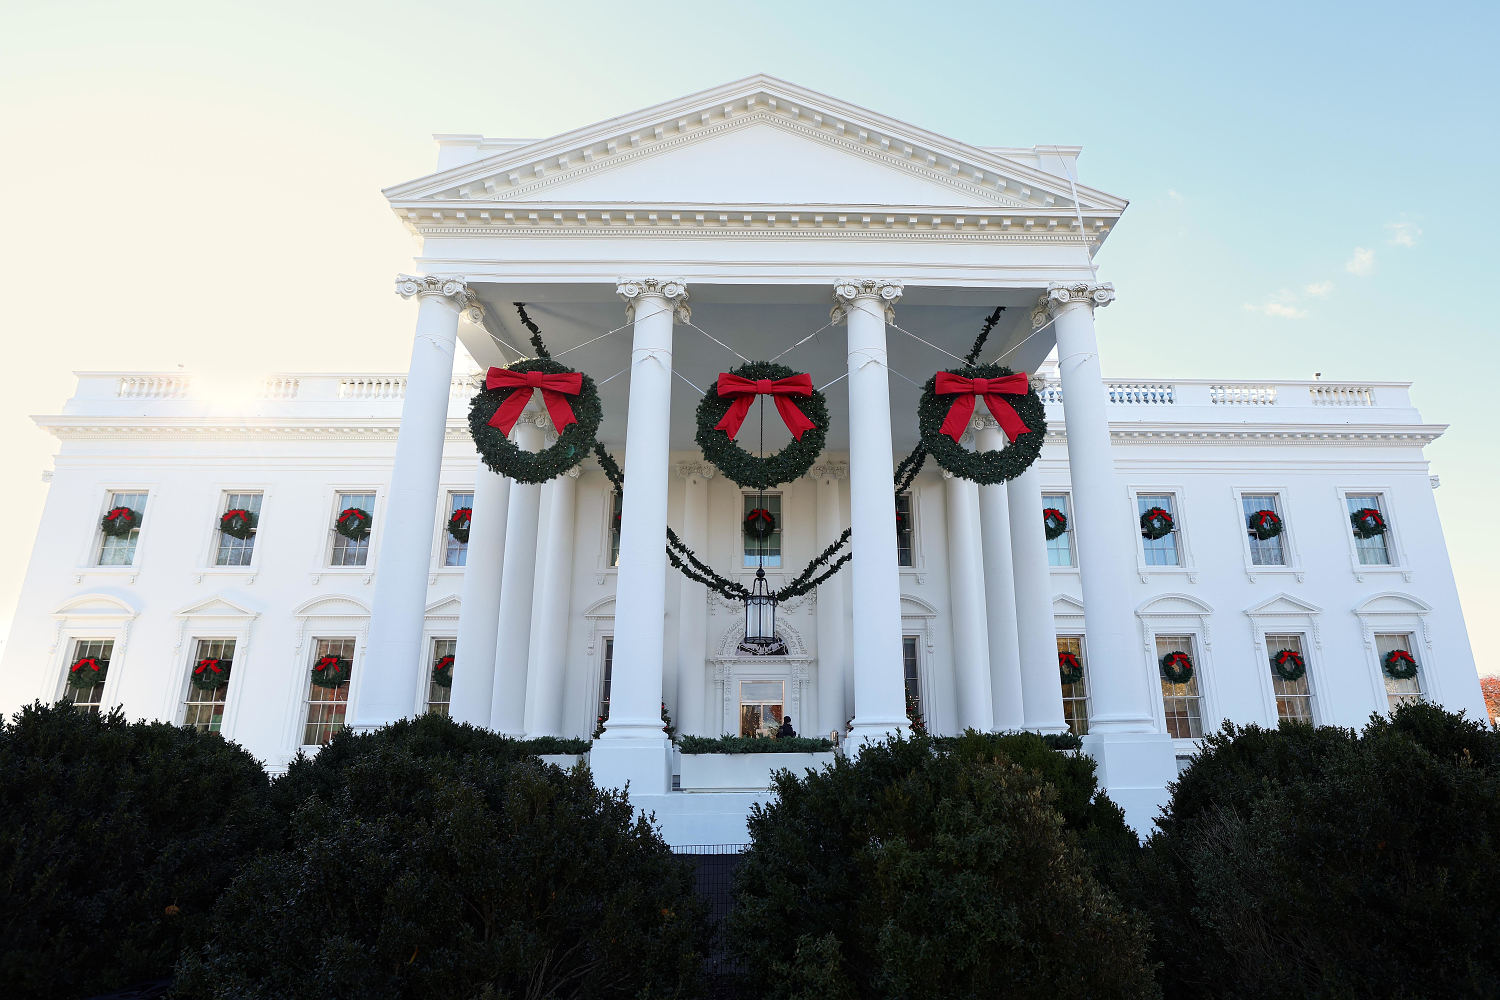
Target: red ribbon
1288	654
994	391
352	512
743	392
1067	659
555	390
208	663
328	662
760	514
87	661
1180	660
443	663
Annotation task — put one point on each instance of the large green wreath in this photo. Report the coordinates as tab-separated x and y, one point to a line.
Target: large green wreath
1400	664
571	447
984	467
1177	667
738	464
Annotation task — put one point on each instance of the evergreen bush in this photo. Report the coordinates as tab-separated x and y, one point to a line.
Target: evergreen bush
115	840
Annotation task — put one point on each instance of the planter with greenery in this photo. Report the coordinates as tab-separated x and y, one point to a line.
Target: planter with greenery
743	763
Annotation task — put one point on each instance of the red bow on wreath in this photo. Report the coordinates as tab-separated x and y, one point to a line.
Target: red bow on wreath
555	390
757	515
1178	661
328	663
208	663
88	662
743	392
994	391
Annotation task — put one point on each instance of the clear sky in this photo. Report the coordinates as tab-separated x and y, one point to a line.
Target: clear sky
1309	183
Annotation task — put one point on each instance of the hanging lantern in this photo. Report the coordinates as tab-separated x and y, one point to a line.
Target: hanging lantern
760	614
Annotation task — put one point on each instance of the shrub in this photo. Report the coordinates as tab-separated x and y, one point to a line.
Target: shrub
1340	866
922	872
432	864
753	744
115	840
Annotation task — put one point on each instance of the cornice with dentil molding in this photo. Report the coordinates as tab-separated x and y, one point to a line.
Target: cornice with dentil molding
848	291
1059	296
449	286
674	290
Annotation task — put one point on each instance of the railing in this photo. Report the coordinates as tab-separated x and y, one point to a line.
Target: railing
154	386
1141	392
1242	394
373	387
281	387
1329	394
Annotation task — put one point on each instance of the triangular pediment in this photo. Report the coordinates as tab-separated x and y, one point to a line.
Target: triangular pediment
444	607
1067	606
216	607
1283	604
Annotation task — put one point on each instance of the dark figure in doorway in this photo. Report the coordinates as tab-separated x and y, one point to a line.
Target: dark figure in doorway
786	731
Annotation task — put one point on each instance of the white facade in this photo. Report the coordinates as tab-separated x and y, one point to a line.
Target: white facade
738	218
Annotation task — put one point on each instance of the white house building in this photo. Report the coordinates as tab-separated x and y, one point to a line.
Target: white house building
654	251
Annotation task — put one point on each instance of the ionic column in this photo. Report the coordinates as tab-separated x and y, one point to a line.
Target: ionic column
549	647
1036	633
832	623
633	748
518	583
879	690
999	588
966	599
692	609
479	613
392	668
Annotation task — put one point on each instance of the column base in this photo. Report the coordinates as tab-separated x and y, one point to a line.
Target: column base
864	733
1134	768
640	764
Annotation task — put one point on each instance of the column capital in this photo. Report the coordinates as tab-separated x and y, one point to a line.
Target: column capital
829	470
673	290
1059	296
847	291
449	286
699	470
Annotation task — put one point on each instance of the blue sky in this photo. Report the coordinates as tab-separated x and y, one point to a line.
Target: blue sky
1308	182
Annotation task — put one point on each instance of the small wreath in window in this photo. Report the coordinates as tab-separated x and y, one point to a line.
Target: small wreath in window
237	522
947	404
119	522
572	403
760	524
901	522
1069	667
1264	524
1177	667
87	671
353	523
1288	664
1367	522
209	673
459	522
442	672
724	407
1054	523
1399	665
1157	523
331	671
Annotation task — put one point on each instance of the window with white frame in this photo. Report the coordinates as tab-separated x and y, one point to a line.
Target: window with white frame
234	551
119	550
1294	699
616	504
1398	691
1375	550
1182	703
439	697
1060	549
911	674
1263	551
326	707
90	697
456	553
1163	551
763	551
351	551
1075	695
905	554
203	708
606	675
761	705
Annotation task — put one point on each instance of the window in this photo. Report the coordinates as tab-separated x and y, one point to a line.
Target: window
438	696
1397	692
326	707
616	502
87	699
1375	550
237	551
760	707
910	672
1293	698
455	553
1263	551
904	555
119	550
348	551
203	709
1162	551
607	674
763	551
1060	549
1182	702
1076	695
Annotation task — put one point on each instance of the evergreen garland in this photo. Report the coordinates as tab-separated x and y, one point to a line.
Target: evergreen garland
1156	523
536	332
353	523
743	468
805	581
1367	522
1288	664
906	471
210	672
1177	667
1264	524
331	671
572	445
119	522
984	334
1400	665
87	671
442	672
985	467
237	523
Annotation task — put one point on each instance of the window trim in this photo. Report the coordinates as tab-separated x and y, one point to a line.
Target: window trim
917	617
1400	613
207	562
912	532
918	567
1283	614
739	543
1187	566
1075	631
303	689
326	565
1310	659
322	617
88	616
89	562
440	537
439	621
1067	493
213	618
1293	564
1191	617
68	643
185	665
1393	534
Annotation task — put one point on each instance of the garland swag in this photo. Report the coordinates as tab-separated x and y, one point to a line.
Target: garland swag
1157	523
120	521
1177	667
574	440
237	522
1288	664
331	671
1026	423
1054	523
1264	524
1367	522
719	416
353	523
1068	667
87	671
210	673
1400	665
458	524
442	672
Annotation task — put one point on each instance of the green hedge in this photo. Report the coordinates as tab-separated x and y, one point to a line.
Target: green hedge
753	744
541	745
